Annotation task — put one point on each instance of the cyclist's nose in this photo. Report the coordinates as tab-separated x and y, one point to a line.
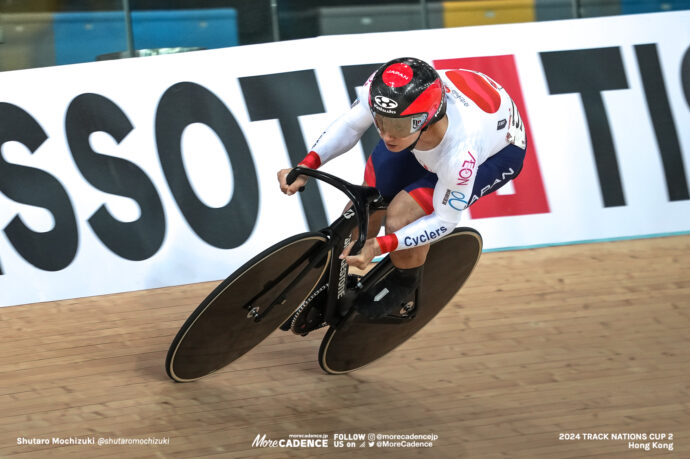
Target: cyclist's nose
386	137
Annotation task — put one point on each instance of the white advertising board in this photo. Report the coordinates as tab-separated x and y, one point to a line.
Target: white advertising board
143	173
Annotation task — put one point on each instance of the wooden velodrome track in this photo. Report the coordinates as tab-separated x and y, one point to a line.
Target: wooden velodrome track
575	339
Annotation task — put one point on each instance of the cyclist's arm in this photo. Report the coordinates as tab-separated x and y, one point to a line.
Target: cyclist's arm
420	232
340	136
452	195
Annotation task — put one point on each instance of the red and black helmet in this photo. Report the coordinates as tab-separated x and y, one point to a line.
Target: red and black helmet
406	95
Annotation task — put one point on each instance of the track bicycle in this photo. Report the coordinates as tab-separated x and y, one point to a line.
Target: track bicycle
276	288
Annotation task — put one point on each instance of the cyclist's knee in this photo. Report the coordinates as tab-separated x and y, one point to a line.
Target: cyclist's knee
410	258
395	221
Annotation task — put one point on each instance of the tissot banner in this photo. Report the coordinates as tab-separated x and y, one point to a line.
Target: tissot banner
142	173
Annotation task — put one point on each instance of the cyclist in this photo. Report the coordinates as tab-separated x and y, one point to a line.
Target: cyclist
447	139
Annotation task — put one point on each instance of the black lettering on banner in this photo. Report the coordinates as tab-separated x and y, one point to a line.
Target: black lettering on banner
51	250
685	75
354	76
137	240
662	120
186	103
589	72
285	97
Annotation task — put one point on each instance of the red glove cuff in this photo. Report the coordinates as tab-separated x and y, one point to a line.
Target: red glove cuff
312	160
387	243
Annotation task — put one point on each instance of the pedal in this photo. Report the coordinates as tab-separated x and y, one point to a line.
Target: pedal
407	309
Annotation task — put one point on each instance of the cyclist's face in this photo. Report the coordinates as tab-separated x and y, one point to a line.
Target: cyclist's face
399	133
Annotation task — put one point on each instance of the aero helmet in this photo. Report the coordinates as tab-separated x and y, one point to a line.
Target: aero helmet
406	95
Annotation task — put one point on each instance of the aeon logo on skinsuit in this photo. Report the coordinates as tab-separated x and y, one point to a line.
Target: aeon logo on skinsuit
467	170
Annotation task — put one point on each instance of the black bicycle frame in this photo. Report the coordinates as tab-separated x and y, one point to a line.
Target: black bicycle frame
339	235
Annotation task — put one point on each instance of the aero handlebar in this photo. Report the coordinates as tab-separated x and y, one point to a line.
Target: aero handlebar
362	198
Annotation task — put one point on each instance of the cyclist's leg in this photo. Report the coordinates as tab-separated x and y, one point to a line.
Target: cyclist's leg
407	207
397	289
498	170
408	187
414	202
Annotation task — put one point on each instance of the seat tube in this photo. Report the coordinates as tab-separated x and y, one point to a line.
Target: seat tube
342	237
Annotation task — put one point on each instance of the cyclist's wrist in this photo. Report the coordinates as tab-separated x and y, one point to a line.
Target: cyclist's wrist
387	243
312	160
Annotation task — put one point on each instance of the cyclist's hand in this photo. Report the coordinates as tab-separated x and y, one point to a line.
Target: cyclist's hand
363	258
296	185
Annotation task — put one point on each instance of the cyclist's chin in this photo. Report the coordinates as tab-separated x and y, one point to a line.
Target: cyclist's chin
396	147
397	144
